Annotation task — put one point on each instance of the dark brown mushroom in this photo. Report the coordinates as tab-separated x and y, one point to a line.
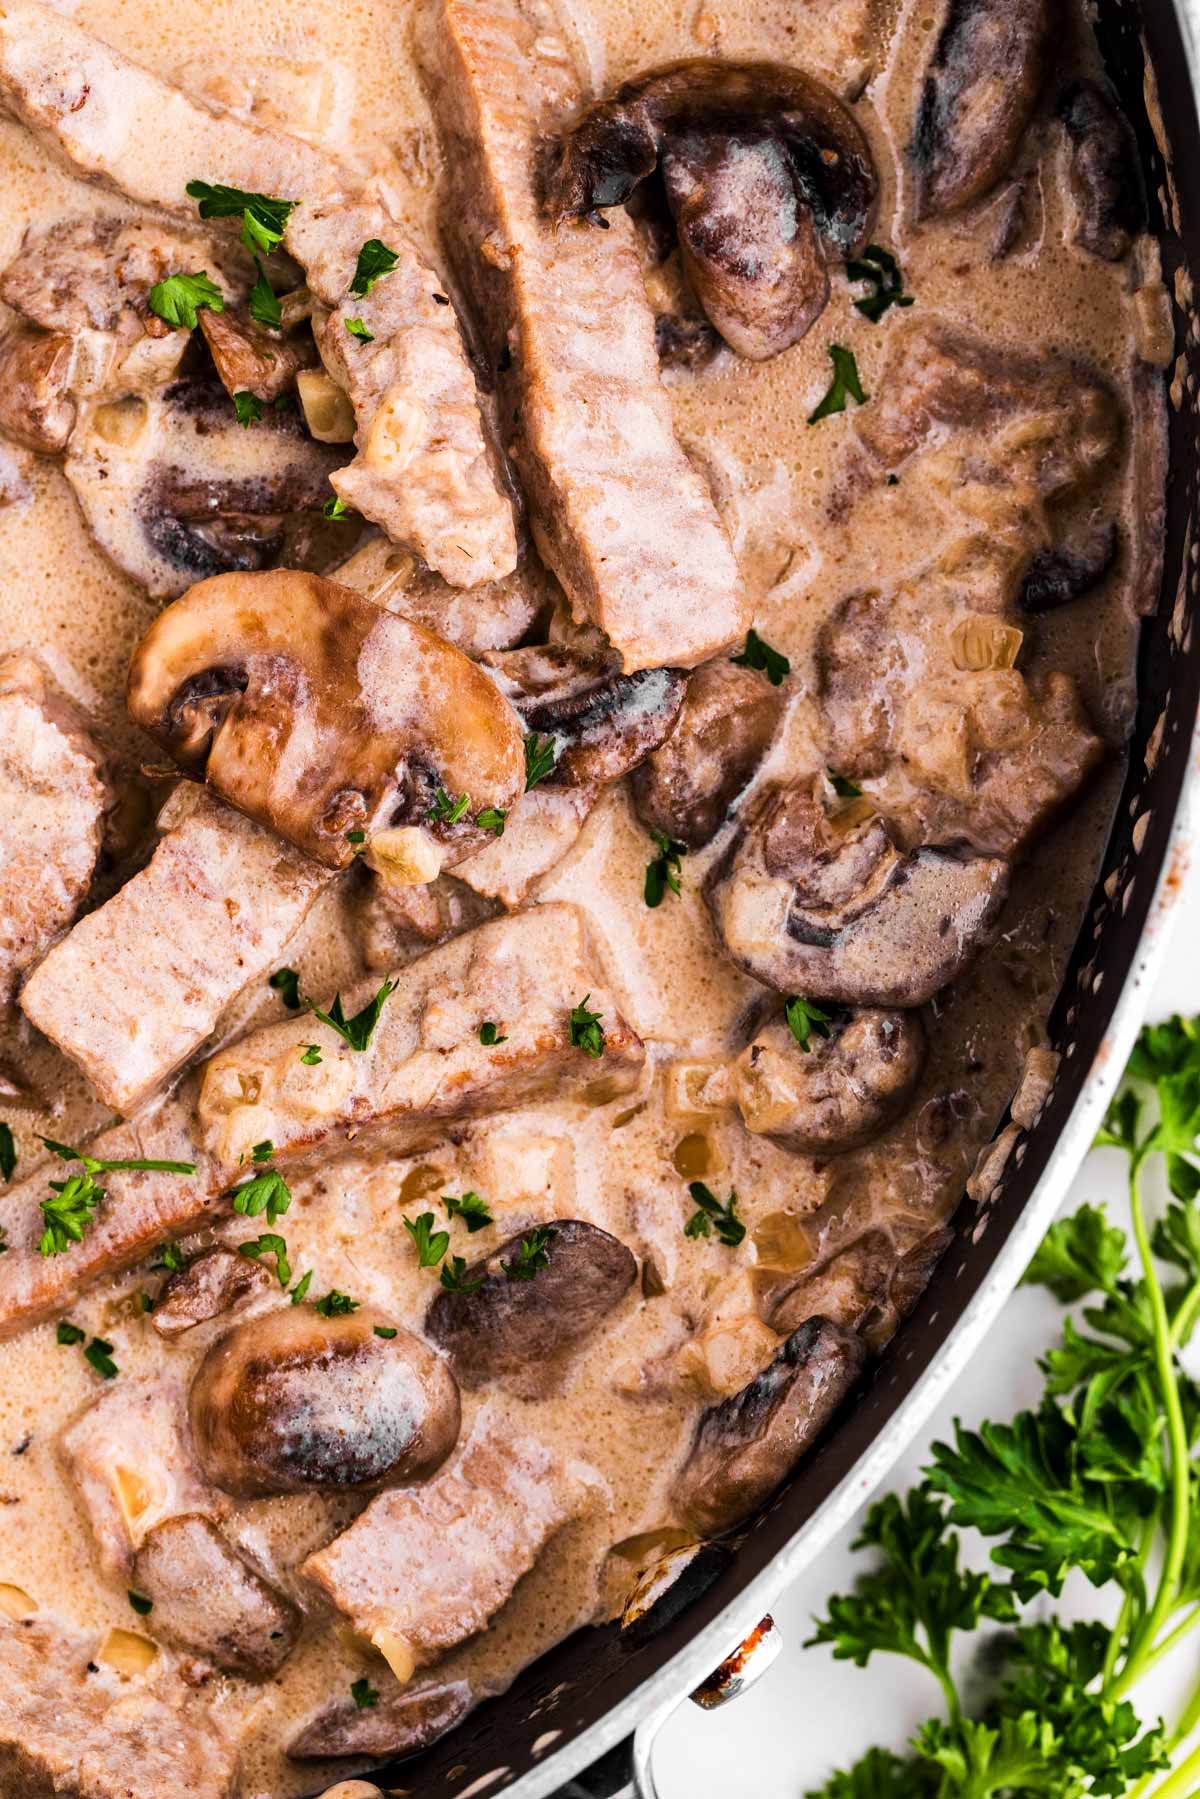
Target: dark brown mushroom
846	1090
979	91
766	174
251	358
1103	170
1068	570
36	407
684	342
403	1720
320	714
830	907
866	1286
215	1282
209	1600
748	1444
513	1326
686	787
603	723
293	1401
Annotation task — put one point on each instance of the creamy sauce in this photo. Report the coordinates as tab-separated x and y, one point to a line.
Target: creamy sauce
344	72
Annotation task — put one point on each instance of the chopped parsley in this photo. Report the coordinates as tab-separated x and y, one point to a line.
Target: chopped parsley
364	1694
663	871
263	218
386	1331
845	385
453	1277
586	1031
311	1055
470	1208
445	810
99	1354
67	1213
269	1244
757	654
803	1018
336	508
540	757
8	1151
140	1603
533	1254
712	1216
357	329
265	1192
490	1035
301	1288
179	298
843	787
892	481
357	841
359	1030
248	407
264	307
431	1245
879	267
286	983
172	1257
374	261
102	1165
68	1333
492	819
336	1305
262	1152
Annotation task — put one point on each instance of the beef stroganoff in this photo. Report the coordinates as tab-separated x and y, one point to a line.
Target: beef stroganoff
570	578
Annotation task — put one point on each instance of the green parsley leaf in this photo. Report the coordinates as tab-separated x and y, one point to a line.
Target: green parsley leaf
803	1018
140	1603
357	840
8	1151
286	983
301	1288
358	1030
492	819
489	1035
99	1354
336	1305
1078	1255
470	1208
880	1774
264	305
269	1244
247	407
445	810
262	1152
180	297
265	1192
879	267
761	656
374	261
842	786
335	508
67	1213
845	385
386	1331
431	1245
533	1254
541	754
311	1055
364	1694
711	1215
172	1257
453	1276
586	1031
357	329
662	873
263	219
68	1333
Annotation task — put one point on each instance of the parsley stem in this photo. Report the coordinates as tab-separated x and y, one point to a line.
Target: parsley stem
1181	1783
1120	1633
1185	1317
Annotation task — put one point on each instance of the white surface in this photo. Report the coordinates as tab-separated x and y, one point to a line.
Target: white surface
810	1714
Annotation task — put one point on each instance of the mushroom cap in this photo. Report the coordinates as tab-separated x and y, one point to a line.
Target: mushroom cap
839	1095
765	171
318	714
293	1401
831	908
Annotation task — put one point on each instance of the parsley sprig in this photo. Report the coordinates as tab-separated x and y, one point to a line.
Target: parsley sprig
541	753
585	1029
879	267
664	869
533	1254
68	1208
178	298
263	218
375	261
470	1208
1100	1480
711	1216
803	1018
359	1029
844	386
758	654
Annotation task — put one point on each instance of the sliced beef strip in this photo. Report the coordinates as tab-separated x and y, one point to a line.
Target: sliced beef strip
253	358
423	471
424	1071
137	986
617	511
72	1728
687	785
494	616
491	1512
53	797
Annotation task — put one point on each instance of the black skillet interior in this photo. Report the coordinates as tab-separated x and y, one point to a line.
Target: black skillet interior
572	1688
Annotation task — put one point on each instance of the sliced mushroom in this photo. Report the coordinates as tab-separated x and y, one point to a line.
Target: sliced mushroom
603	723
684	342
514	1326
319	714
36	407
686	787
251	358
215	1282
402	1721
980	87
846	1090
1103	170
867	1286
766	174
747	1445
208	1599
1066	572
293	1401
830	907
174	489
